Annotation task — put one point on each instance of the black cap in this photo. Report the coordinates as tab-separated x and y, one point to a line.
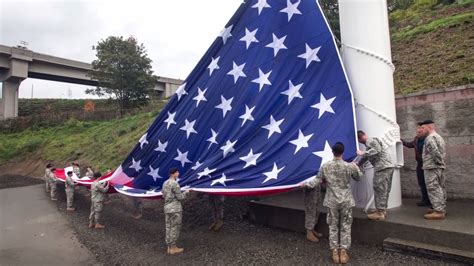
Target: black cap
426	122
69	173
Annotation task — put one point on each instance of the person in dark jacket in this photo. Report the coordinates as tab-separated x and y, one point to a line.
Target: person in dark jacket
417	143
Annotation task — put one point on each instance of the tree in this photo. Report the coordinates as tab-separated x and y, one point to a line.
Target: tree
331	11
123	71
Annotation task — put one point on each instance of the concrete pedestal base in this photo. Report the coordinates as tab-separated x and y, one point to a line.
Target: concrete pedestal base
286	211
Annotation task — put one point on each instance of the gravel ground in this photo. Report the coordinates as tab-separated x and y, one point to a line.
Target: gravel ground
127	241
10	181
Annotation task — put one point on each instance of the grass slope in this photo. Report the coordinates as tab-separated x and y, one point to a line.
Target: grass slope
102	144
432	46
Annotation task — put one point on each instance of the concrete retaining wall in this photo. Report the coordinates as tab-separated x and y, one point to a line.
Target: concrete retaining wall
453	112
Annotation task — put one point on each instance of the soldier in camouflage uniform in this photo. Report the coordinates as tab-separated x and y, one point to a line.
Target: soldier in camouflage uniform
383	172
98	190
434	153
69	187
217	205
337	174
89	172
312	202
53	183
173	210
46	176
76	169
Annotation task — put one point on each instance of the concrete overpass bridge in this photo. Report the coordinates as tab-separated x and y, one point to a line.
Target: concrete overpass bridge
18	64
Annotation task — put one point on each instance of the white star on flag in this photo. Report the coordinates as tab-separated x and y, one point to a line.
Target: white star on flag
154	173
200	97
197	165
262	79
143	141
249	37
250	159
225	34
310	55
136	165
247	115
261	4
326	155
182	158
170	120
291	9
324	105
161	146
237	71
225	105
180	91
212	139
301	141
273	174
277	44
221	180
293	91
188	127
206	172
273	127
228	147
213	65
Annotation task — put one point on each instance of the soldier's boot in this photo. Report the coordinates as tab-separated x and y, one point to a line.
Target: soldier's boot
91	225
70	209
317	234
344	257
377	216
99	226
311	237
168	250
218	225
335	256
137	216
435	215
430	210
175	250
211	227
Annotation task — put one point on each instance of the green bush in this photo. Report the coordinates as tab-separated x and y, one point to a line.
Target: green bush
32	144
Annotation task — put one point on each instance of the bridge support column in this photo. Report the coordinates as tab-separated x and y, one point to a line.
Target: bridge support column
9	106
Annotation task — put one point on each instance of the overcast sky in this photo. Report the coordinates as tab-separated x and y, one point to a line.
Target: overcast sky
176	33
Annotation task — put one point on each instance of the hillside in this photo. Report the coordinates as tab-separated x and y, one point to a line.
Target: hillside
433	45
102	144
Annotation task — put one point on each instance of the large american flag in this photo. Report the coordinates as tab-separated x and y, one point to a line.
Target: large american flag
259	112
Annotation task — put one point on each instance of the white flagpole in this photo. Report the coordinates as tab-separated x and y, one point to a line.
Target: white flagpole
367	57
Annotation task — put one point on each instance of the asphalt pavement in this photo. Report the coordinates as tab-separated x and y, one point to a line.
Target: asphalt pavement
33	232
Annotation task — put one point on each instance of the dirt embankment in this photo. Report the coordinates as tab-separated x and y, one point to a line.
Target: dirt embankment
30	168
